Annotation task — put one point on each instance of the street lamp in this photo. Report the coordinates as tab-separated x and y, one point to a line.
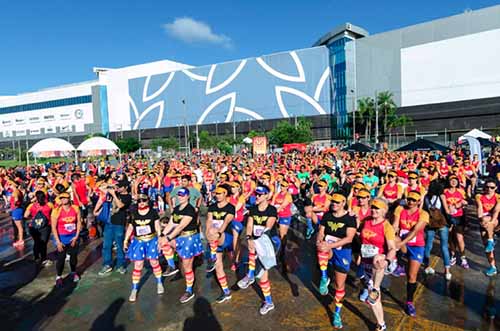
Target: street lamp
353	115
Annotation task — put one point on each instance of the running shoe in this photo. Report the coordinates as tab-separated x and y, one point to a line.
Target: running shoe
429	271
399	272
491	271
160	289
363	295
18	243
170	271
76	278
266	308
223	297
245	282
186	297
105	270
122	270
59	283
210	265
46	263
448	276
379	327
309	233
464	264
490	246
410	309
453	260
133	296
337	321
323	286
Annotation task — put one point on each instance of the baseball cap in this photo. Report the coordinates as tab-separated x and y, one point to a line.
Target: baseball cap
182	192
261	189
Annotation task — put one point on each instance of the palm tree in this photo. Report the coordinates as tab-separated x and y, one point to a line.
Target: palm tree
366	110
388	107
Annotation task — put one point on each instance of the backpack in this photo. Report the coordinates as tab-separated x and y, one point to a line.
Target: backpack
39	221
105	214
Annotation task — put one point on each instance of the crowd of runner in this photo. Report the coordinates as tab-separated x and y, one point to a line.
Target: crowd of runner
376	214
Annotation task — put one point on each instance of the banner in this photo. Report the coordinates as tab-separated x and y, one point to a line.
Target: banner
475	148
259	145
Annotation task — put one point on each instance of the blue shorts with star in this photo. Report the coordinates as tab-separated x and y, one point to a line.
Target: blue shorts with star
189	246
415	253
237	226
341	259
140	250
227	244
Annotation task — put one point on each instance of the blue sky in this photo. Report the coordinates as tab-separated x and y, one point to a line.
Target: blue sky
53	42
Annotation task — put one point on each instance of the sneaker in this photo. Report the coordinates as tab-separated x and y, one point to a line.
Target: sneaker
122	270
223	297
429	271
105	270
59	283
337	321
363	295
186	297
76	278
309	233
245	282
18	243
490	246
453	260
210	265
67	258
399	272
46	263
323	286
160	289
266	308
491	271
380	327
464	263
373	296
448	276
170	271
410	309
133	296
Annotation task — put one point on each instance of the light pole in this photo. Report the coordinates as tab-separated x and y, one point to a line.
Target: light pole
186	129
353	116
217	129
197	138
376	120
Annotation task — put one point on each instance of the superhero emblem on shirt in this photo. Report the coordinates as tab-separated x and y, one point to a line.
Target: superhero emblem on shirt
335	226
143	222
219	215
368	234
260	219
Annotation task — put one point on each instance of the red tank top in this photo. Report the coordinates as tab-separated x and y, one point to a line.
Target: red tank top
66	220
488	203
373	234
452	199
81	190
391	191
239	213
406	223
280	199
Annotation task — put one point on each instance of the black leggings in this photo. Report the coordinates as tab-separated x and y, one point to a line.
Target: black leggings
61	257
40	240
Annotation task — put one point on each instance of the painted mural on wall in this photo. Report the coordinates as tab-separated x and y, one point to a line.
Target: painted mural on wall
282	85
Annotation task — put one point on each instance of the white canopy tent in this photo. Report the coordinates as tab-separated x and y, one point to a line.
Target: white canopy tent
50	145
475	133
99	143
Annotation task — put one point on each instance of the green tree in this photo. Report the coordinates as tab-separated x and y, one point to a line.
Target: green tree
128	145
165	143
286	133
254	133
386	109
366	114
206	140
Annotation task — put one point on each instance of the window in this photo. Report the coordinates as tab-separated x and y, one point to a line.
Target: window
47	104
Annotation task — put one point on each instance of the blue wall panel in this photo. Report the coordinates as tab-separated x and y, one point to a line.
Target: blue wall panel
280	85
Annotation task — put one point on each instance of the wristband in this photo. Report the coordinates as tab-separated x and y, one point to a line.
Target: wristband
248	237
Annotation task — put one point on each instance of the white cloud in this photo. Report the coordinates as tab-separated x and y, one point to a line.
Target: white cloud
191	31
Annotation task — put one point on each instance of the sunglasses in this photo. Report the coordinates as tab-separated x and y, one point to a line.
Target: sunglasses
491	187
218	193
142	200
374	207
336	202
362	197
260	194
391	176
411	200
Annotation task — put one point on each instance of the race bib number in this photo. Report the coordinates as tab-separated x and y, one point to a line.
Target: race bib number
320	214
332	239
143	230
217	223
368	251
258	230
70	227
404	233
